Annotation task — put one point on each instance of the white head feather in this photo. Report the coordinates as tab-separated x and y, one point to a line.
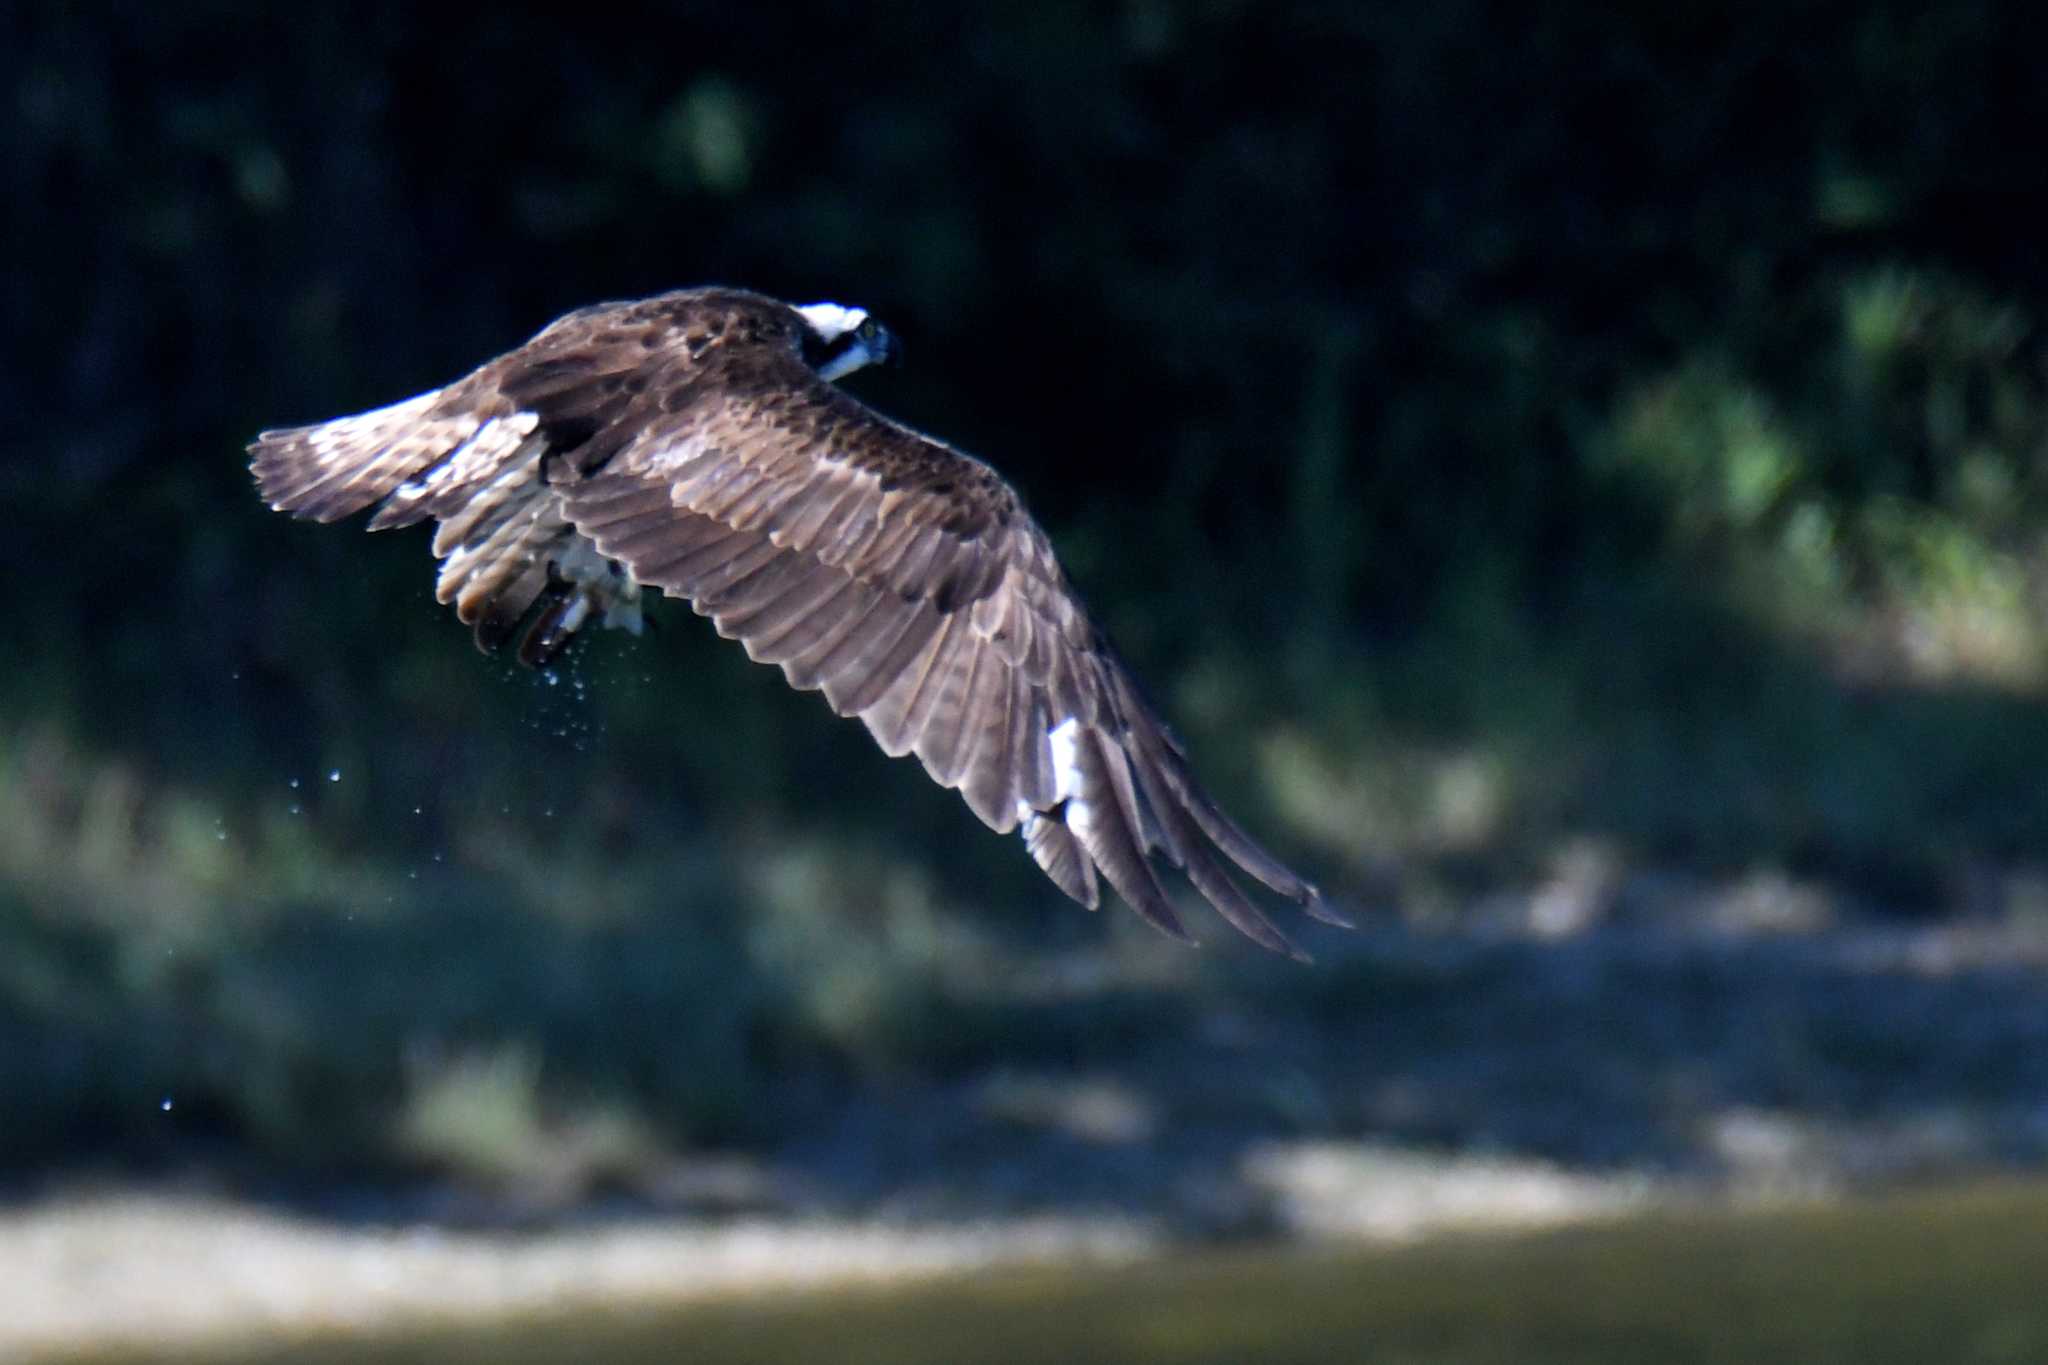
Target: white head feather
831	321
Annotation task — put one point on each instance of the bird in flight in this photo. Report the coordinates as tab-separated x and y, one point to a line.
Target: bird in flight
696	442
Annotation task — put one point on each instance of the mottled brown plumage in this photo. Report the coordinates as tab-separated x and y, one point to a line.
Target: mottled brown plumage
692	442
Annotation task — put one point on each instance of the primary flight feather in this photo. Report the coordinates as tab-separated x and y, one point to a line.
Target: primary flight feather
695	442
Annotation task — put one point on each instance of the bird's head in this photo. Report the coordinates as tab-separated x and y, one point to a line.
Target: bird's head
838	340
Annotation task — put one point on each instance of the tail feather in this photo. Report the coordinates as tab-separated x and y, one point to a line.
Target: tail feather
476	468
334	469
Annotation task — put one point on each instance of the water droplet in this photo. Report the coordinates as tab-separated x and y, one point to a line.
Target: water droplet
166	1104
334	774
297	809
295	784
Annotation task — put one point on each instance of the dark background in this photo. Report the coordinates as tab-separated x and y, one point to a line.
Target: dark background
1553	447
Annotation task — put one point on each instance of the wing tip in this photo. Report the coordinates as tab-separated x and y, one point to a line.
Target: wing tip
1318	908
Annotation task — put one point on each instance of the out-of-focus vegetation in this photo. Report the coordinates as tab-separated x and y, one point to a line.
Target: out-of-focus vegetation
1493	431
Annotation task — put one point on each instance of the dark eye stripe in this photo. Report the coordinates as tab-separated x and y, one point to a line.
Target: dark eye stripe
819	353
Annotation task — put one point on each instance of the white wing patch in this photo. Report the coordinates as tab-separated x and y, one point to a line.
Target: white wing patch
1065	739
1066	777
1066	758
1054	840
1066	768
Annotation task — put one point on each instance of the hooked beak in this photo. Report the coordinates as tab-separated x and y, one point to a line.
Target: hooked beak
876	345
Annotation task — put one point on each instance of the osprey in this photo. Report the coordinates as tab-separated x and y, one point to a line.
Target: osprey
694	442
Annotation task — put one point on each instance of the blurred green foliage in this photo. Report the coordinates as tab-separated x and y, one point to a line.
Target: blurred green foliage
1486	426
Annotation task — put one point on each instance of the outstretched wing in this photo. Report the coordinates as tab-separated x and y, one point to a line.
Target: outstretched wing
905	580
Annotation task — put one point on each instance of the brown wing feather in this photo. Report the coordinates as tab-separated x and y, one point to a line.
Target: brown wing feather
682	442
904	579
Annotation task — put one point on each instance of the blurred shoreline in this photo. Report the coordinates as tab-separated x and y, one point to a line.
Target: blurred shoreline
1109	1164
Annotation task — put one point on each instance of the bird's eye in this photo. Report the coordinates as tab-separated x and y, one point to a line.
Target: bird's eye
868	331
